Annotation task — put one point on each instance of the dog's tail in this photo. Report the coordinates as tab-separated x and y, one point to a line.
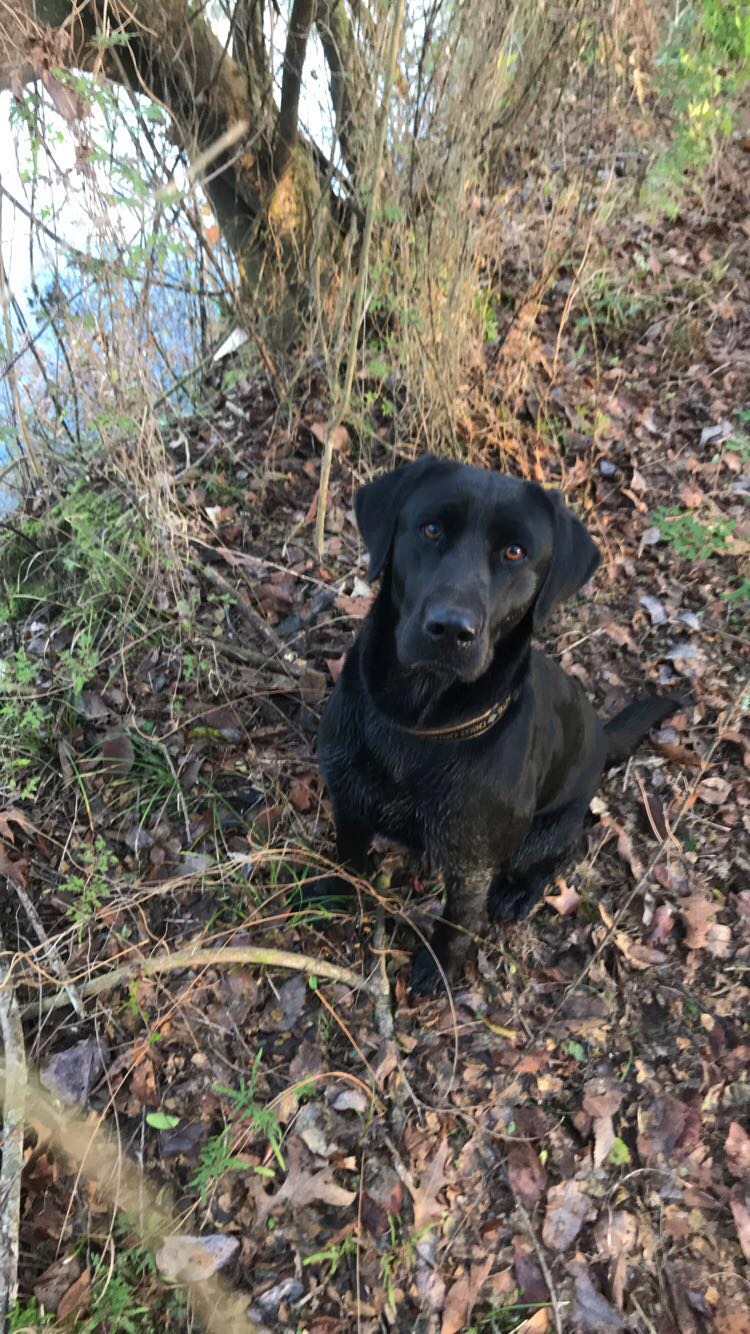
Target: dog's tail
631	724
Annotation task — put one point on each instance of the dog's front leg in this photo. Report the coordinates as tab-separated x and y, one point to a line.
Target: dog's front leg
352	844
441	961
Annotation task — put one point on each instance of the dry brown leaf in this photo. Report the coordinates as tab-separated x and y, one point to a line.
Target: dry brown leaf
568	1208
17	871
427	1208
637	955
11	817
300	795
601	1099
593	1313
737	1150
339	434
566	900
57	1280
301	1186
462	1296
701	931
741	1214
526	1173
357	608
76	1298
714	790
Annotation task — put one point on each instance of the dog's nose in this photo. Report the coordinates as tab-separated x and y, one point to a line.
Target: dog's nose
452	626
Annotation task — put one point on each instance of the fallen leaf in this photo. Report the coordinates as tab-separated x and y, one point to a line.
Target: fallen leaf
339	435
741	1214
185	1259
355	607
663	923
462	1296
568	1208
701	931
528	1275
661	1127
11	817
566	900
76	1298
655	609
737	1150
70	1073
301	1186
526	1174
17	870
714	790
592	1311
601	1099
68	103
282	1013
300	795
427	1208
335	666
57	1279
117	753
637	955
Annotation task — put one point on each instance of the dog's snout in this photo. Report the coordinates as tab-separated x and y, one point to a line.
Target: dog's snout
452	626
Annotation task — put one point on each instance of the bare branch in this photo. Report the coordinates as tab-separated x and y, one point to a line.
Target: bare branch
303	12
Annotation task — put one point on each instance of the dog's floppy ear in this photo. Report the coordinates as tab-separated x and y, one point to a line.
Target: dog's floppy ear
378	504
573	561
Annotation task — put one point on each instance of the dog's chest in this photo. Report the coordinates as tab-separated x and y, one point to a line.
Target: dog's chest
446	803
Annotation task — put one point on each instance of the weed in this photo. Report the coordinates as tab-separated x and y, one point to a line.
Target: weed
215	1159
703	66
505	1319
91	887
333	1255
692	537
245	1108
25	1317
24	741
216	1156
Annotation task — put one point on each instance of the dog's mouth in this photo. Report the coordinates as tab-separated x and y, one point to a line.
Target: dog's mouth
448	665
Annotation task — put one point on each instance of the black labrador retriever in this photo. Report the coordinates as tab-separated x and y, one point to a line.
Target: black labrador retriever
446	730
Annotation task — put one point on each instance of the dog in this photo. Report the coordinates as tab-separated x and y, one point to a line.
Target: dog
446	730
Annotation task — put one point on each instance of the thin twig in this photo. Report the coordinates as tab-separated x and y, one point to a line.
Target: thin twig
203	958
14	1063
523	1215
50	950
359	291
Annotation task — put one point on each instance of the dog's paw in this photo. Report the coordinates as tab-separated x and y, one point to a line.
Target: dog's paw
425	978
324	894
510	900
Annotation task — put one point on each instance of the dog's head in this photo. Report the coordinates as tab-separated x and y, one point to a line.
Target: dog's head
470	554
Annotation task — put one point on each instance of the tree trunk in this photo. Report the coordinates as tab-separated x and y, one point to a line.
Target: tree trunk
265	186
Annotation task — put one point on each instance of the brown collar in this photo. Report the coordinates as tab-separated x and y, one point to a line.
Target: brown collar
462	731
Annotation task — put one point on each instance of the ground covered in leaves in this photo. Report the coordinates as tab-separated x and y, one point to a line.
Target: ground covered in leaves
562	1143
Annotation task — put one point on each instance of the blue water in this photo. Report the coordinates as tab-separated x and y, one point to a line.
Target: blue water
91	310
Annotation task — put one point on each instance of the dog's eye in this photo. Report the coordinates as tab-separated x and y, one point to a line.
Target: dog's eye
432	530
513	552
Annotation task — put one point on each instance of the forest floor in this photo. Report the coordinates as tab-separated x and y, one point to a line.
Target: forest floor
562	1143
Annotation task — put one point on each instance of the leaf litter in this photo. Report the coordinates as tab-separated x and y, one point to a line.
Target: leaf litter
547	1144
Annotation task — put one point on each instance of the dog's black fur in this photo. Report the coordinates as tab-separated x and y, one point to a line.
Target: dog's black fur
472	563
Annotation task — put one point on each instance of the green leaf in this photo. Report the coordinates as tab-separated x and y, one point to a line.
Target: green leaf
619	1154
577	1050
312	983
162	1120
